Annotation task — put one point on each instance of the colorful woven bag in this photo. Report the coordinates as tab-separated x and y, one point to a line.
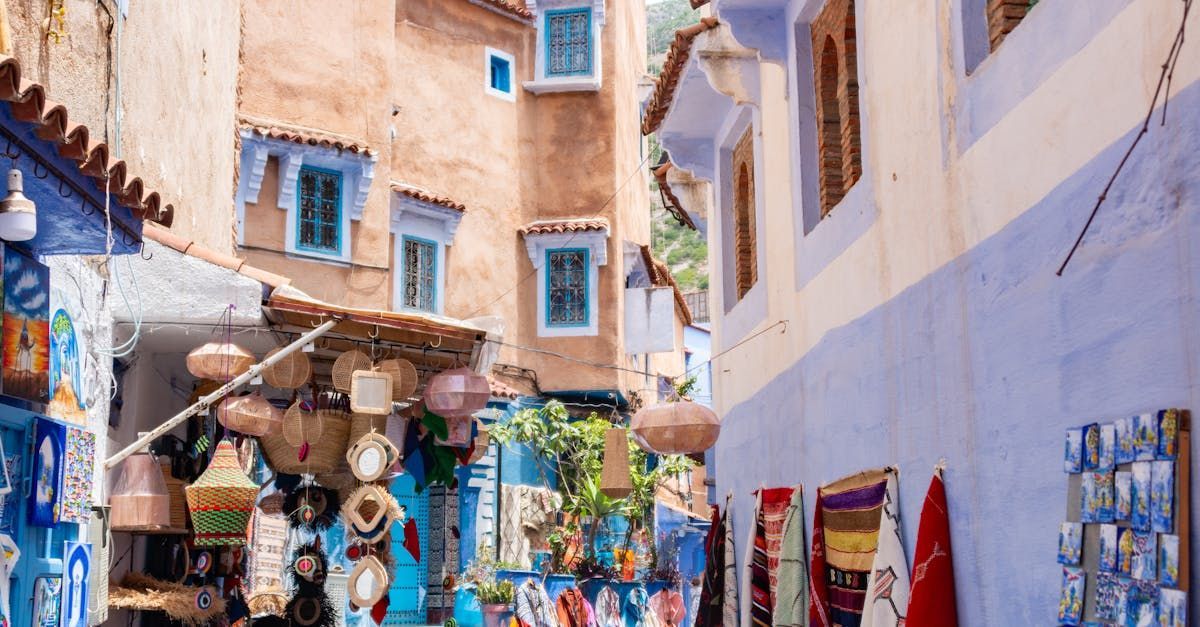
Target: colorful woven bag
221	500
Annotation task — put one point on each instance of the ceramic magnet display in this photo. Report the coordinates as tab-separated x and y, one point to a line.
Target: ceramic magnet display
1070	603
48	456
1073	452
1145	437
368	582
371	393
1126	448
1162	496
1070	543
1168	560
77	572
1108	548
1168	433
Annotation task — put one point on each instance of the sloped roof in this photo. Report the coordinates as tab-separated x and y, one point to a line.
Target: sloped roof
188	247
543	227
304	136
668	79
423	196
509	7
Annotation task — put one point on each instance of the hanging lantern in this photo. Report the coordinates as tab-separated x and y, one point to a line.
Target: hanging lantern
219	361
288	373
676	428
140	499
457	392
252	415
221	500
345	366
615	480
404	378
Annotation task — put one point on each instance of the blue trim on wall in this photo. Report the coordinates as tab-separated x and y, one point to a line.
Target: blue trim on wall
299	199
590	43
587	301
500	73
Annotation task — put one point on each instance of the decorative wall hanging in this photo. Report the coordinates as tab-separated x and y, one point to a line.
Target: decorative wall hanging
251	414
140	592
369	581
369	513
404	378
321	437
372	457
78	470
615	480
289	373
26	352
675	428
140	500
77	571
45	498
47	592
457	392
345	366
221	500
371	392
932	598
312	507
66	369
219	361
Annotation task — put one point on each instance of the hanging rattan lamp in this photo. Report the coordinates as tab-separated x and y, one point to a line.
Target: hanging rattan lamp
219	361
404	377
679	428
345	366
457	392
288	373
615	480
250	415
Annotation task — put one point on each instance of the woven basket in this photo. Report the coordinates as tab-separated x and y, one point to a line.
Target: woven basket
301	426
615	480
219	361
250	415
345	366
221	500
324	453
290	372
175	490
404	377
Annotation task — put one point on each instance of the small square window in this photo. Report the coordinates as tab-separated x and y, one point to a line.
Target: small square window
567	287
319	222
569	42
500	74
498	68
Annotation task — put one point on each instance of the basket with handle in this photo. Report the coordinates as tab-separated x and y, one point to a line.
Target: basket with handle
324	453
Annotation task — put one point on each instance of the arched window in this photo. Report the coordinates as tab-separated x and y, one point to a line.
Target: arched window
835	65
745	238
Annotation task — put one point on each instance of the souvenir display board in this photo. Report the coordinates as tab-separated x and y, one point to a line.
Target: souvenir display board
1124	544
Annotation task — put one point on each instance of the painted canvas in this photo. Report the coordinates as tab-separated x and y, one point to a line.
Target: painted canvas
1125	550
1109	596
1073	453
77	571
45	497
66	369
1162	496
1098	499
1144	564
1108	548
1141	605
1108	447
26	357
1091	447
1168	560
1168	434
1146	437
46	592
1123	486
1126	450
9	503
1070	543
78	469
1070	603
1139	515
1172	608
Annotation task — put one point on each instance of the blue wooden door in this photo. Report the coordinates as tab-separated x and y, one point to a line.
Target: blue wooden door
407	593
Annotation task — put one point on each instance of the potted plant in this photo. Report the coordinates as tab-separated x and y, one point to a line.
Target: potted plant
495	601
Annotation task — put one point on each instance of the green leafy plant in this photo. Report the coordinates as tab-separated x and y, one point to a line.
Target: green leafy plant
495	592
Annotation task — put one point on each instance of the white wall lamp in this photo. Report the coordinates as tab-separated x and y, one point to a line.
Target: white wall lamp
18	214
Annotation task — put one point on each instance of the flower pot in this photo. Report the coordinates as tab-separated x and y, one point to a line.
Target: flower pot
496	614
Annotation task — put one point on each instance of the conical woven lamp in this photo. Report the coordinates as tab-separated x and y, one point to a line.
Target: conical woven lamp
219	361
250	415
676	428
457	392
615	480
221	500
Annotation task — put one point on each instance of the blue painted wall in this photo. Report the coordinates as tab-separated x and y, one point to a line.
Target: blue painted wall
988	359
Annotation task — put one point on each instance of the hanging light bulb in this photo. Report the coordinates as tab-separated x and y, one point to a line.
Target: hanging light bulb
18	214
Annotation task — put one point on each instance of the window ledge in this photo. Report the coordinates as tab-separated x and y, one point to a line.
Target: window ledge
559	85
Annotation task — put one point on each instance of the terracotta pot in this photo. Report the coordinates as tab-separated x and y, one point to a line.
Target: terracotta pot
496	615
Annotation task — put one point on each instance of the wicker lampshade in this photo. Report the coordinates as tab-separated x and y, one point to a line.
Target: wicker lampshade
615	480
457	392
676	428
219	361
251	415
404	377
221	500
345	366
140	499
290	372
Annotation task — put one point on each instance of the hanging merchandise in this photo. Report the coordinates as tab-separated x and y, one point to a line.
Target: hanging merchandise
761	608
371	392
678	428
219	361
458	432
45	497
140	500
730	604
137	591
369	582
479	447
372	457
608	609
615	479
412	542
345	366
289	373
310	606
708	613
251	414
931	600
312	442
221	500
457	392
312	507
791	590
369	513
404	378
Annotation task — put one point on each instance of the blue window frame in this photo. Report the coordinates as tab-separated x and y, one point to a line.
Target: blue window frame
420	274
319	219
500	74
567	287
569	42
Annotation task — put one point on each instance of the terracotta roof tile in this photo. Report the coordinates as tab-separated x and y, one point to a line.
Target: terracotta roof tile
188	247
668	80
515	9
543	227
673	205
29	104
423	196
501	389
305	136
660	276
